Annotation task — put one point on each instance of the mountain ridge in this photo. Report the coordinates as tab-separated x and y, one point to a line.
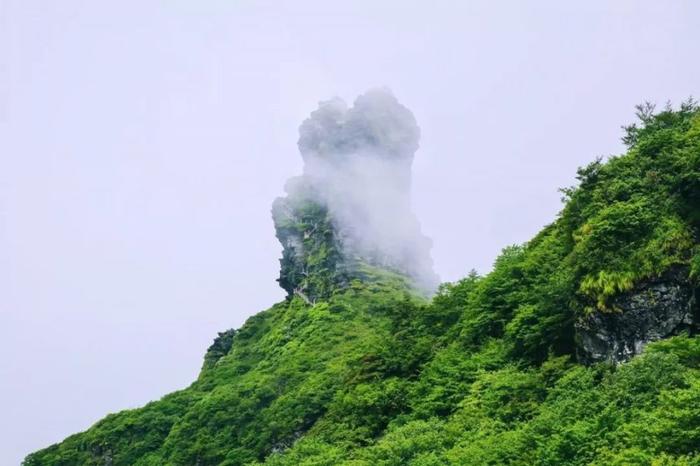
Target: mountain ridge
528	364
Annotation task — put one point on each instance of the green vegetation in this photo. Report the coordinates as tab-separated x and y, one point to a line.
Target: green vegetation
309	268
484	373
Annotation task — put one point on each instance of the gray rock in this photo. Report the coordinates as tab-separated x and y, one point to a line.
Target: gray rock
655	309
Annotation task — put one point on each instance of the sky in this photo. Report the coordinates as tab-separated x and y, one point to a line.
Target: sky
142	144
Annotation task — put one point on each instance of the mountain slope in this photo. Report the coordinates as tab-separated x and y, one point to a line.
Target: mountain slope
537	362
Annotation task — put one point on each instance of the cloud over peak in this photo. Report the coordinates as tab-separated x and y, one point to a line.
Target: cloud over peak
376	123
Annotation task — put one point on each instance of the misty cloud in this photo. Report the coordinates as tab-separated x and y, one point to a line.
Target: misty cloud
376	123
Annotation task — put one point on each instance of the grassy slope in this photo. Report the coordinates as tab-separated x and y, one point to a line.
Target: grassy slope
484	374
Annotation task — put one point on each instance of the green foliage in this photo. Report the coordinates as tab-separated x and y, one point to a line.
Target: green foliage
370	373
310	267
220	348
695	265
637	215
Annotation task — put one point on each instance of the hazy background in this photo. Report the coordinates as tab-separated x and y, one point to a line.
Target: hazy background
142	143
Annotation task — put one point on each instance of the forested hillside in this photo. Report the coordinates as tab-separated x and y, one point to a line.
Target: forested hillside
578	348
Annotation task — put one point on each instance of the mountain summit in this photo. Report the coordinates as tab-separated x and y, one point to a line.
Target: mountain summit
350	209
580	347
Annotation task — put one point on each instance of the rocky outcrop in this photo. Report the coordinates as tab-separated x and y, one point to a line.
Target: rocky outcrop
219	348
312	263
655	309
351	205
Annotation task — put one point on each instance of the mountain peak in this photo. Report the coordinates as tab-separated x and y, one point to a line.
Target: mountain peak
351	206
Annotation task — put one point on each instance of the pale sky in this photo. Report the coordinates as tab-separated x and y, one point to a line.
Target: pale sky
142	144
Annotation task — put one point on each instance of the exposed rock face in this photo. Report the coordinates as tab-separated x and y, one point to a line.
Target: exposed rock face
659	308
